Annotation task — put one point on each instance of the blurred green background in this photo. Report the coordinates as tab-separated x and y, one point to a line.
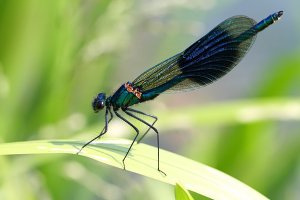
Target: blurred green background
55	56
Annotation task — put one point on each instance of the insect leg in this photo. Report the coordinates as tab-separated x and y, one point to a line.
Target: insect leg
153	128
111	115
137	133
142	113
104	130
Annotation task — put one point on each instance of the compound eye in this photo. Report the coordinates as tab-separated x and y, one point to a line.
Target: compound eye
100	105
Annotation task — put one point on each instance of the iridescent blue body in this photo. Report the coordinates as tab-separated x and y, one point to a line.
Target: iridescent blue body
267	21
204	62
124	99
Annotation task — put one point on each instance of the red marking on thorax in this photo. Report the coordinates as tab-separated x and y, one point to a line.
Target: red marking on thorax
132	90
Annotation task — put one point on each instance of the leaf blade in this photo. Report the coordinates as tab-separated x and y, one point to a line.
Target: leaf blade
181	193
142	159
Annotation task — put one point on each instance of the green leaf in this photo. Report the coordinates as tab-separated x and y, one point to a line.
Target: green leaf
181	193
142	160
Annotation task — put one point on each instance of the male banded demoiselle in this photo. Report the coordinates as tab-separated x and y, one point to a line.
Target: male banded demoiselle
204	62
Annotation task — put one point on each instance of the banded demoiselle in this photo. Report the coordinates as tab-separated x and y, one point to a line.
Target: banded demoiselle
204	62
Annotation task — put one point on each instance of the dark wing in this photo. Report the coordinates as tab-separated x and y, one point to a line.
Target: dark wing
205	61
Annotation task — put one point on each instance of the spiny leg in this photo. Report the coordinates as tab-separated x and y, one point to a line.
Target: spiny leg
153	128
142	113
104	130
137	133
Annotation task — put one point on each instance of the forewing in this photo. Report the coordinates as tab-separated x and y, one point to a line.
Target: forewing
206	60
216	53
159	74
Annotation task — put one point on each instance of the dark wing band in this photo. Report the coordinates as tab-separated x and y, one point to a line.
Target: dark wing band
205	61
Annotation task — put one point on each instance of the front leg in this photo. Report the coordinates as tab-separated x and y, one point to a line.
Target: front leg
104	130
